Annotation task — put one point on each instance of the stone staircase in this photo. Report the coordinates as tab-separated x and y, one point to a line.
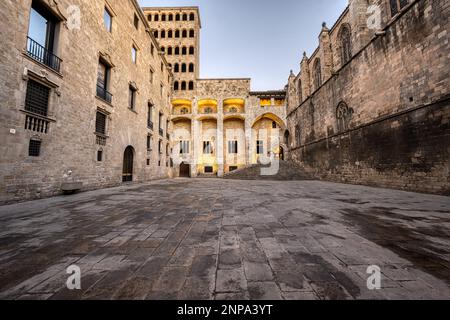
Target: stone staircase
287	171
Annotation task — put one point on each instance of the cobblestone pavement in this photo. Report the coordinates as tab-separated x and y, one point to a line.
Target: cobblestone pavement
224	239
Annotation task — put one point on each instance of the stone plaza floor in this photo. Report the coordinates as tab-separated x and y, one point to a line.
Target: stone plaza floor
227	239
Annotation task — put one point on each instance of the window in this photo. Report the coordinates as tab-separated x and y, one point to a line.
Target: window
317	74
34	148
160	121
152	49
167	153
100	155
103	75
170	34
133	54
148	161
184	147
192	17
163	17
298	135
183	85
155	34
149	143
185	17
149	17
136	21
156	17
169	51
345	39
274	125
37	98
184	51
41	36
191	33
259	147
160	147
209	169
176	86
343	115
233	147
397	6
100	123
183	68
152	75
299	91
107	19
191	50
150	116
170	17
184	34
177	34
163	34
191	85
177	17
207	147
177	51
131	98
191	67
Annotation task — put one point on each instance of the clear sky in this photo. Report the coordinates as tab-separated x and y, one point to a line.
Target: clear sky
258	39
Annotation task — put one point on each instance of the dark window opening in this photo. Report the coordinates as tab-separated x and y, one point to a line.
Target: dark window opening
191	50
233	168
209	169
34	149
259	147
191	67
99	155
131	98
191	85
192	17
100	123
191	33
232	147
37	98
136	21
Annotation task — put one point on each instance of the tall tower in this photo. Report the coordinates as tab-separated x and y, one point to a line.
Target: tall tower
177	30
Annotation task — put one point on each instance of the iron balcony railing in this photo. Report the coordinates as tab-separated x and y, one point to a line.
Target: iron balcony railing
103	94
42	55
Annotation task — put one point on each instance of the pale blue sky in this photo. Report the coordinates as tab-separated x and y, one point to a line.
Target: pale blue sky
259	39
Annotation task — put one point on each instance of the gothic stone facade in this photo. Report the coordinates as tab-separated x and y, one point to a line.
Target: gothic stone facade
61	125
371	106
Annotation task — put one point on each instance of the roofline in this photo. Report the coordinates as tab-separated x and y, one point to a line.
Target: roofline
219	79
190	8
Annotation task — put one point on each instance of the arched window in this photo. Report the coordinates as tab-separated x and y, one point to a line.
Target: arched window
176	68
163	17
183	86
170	17
192	17
163	49
184	34
298	136
191	67
155	34
191	85
149	17
184	51
345	40
177	17
170	34
169	51
156	17
191	33
299	91
163	34
343	116
177	34
177	51
317	74
183	67
185	17
191	50
176	86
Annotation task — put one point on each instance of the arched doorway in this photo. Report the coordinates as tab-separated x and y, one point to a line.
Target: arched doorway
128	158
185	170
281	154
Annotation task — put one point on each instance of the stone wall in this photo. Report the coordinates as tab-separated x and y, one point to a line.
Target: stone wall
69	149
396	89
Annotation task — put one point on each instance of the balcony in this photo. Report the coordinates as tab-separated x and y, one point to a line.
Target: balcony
42	55
36	123
103	94
150	124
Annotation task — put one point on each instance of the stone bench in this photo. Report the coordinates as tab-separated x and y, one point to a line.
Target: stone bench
71	187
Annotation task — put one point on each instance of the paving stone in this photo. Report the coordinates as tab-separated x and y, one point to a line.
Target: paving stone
231	281
257	271
264	291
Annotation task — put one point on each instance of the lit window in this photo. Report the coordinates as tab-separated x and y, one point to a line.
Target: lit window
107	20
134	54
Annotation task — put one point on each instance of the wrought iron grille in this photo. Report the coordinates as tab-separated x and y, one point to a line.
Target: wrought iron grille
34	149
37	97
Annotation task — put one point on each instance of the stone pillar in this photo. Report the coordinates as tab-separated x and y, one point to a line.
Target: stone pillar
358	15
292	93
325	53
219	139
305	76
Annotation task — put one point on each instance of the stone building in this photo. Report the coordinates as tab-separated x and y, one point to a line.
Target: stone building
85	97
371	104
